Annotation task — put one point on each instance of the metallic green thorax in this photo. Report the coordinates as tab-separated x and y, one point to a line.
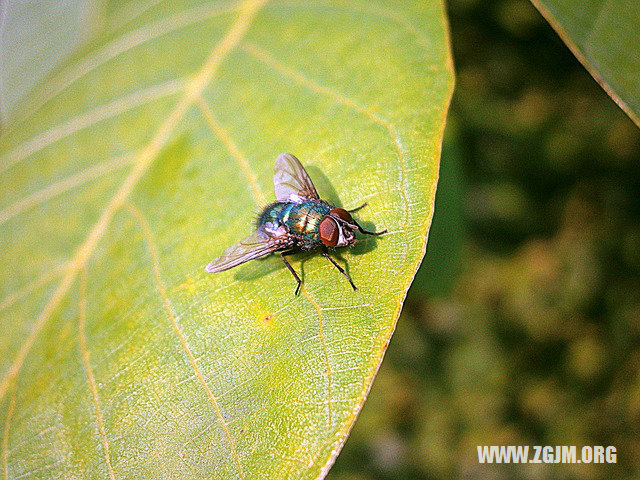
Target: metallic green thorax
302	220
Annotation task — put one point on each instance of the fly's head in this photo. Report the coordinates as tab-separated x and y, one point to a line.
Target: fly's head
337	228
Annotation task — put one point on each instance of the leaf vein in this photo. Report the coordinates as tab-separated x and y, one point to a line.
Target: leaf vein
42	280
64	185
325	352
127	42
372	9
223	135
153	250
85	120
129	12
5	432
86	360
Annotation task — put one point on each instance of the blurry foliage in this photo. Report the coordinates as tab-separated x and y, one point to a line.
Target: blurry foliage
604	37
535	341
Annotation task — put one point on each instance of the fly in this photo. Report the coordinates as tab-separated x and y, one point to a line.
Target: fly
298	221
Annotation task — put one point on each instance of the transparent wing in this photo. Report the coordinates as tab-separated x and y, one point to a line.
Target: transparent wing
291	182
255	246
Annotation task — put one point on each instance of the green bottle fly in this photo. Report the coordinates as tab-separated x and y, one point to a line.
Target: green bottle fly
298	221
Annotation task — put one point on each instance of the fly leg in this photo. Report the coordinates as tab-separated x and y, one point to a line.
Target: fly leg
325	253
358	208
293	272
362	230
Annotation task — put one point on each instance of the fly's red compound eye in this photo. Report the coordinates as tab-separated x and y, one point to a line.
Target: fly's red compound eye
329	231
343	214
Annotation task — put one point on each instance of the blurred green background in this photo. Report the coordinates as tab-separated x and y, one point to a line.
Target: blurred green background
523	324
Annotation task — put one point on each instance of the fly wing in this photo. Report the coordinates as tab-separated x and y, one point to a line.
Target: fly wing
291	182
254	246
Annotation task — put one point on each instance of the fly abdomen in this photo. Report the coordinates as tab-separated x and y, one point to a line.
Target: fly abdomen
274	214
301	220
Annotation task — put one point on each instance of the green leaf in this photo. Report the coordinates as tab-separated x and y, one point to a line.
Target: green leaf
142	159
605	37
